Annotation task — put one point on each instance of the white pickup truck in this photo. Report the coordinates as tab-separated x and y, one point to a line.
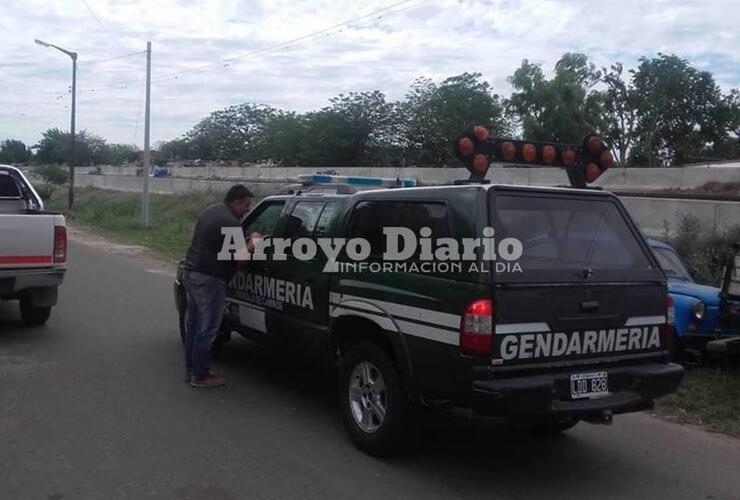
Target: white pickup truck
33	248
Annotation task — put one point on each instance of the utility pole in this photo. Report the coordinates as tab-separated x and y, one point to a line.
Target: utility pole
147	152
71	192
73	56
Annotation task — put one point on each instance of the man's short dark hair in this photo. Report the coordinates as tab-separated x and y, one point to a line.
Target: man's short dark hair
236	193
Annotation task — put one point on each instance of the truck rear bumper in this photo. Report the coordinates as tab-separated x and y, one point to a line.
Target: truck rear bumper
16	281
631	388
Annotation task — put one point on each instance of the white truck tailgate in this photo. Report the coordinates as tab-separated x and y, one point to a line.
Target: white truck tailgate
27	240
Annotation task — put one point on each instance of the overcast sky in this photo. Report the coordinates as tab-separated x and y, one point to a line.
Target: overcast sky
434	38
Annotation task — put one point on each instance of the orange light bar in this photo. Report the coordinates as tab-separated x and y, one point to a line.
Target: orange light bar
465	146
548	154
606	159
508	150
481	133
529	153
594	145
592	172
480	163
569	157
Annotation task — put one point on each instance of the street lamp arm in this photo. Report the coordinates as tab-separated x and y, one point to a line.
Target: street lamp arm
71	54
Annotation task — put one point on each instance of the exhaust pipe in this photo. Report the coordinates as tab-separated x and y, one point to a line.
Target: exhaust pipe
602	418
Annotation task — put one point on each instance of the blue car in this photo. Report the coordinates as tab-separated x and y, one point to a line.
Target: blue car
697	307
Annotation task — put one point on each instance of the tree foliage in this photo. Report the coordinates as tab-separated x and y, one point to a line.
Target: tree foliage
662	112
14	151
229	133
681	113
563	108
90	149
434	114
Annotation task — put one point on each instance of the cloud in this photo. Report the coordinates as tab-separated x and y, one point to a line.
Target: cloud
436	38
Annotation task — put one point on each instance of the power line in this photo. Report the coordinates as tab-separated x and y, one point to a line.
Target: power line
295	41
100	23
337	28
59	70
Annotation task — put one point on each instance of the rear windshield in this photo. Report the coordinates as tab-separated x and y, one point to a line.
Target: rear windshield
8	187
565	238
672	264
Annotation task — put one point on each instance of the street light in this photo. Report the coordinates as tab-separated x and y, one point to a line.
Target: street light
73	55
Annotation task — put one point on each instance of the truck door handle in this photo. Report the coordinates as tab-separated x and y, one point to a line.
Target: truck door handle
589	305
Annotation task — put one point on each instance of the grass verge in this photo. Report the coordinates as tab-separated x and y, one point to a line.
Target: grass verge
708	397
115	215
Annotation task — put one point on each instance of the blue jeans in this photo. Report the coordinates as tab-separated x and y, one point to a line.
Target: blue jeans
205	309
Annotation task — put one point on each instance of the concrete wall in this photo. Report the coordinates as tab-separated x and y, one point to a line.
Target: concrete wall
653	215
616	178
170	185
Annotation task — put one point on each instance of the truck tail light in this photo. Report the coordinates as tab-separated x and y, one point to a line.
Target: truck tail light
60	244
670	312
476	328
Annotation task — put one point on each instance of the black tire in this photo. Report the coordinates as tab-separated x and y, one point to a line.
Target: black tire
33	316
547	426
398	430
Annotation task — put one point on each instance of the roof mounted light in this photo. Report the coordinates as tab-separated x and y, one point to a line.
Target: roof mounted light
584	164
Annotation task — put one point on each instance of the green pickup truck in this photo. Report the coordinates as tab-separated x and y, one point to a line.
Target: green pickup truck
573	325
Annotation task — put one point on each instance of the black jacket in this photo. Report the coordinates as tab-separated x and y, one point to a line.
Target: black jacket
208	240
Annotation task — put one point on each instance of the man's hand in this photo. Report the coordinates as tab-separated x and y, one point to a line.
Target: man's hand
254	237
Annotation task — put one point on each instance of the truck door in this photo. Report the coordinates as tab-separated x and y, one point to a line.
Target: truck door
301	288
245	308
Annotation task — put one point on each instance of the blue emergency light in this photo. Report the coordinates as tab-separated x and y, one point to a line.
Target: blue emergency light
356	180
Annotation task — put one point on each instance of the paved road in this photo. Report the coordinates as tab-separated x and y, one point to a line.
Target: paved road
92	406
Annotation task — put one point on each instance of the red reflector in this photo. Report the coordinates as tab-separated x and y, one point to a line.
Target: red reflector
25	259
481	133
569	157
606	159
508	150
60	244
592	172
548	154
465	146
529	153
480	163
476	328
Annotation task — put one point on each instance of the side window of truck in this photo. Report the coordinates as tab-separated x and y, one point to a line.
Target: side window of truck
369	218
265	219
327	214
303	219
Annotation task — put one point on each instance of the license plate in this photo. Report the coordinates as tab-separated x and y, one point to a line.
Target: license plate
589	385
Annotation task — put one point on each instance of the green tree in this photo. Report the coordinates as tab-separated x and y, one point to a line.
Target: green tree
681	112
176	149
619	112
354	130
562	109
14	151
231	133
433	114
53	146
52	174
282	139
116	154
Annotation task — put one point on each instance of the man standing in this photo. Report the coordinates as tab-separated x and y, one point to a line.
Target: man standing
205	278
